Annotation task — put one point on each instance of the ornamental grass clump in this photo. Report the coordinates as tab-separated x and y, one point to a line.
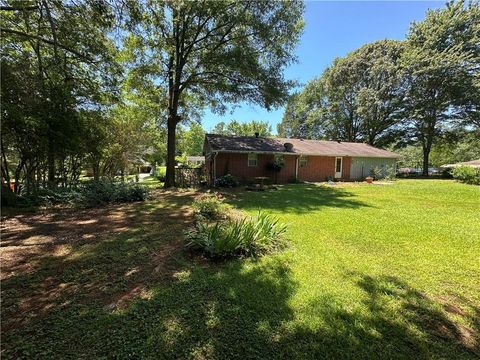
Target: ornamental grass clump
242	237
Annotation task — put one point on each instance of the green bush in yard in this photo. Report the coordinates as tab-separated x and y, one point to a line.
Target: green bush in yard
226	181
249	236
210	207
88	194
93	193
467	174
390	173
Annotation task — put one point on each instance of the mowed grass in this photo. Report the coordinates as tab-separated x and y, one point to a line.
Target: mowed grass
372	271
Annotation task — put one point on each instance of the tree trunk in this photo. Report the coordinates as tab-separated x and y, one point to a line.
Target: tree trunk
51	164
171	137
426	155
5	172
96	170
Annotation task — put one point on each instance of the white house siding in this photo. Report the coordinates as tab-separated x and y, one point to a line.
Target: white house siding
362	167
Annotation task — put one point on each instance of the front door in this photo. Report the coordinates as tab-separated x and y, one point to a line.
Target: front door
338	167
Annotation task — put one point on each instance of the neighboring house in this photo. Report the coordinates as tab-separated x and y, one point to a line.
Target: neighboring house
195	160
473	163
247	157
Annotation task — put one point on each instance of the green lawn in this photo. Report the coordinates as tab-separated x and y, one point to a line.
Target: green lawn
373	271
151	182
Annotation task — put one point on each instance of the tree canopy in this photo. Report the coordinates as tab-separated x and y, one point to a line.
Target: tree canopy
211	53
356	99
398	92
234	127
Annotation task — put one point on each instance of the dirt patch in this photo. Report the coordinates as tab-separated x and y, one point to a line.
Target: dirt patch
110	254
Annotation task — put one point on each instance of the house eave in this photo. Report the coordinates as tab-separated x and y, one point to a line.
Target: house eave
297	153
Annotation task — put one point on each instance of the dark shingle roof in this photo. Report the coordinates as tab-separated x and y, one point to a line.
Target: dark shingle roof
300	146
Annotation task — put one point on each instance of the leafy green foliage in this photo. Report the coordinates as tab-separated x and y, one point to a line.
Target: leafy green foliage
390	173
160	173
249	236
87	194
234	127
398	92
226	181
376	173
213	53
210	207
95	193
467	174
357	99
441	62
191	141
58	77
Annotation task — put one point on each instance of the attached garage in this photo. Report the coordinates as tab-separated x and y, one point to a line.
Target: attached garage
362	167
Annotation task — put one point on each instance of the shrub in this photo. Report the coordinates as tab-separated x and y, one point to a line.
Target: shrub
467	174
161	172
210	207
88	194
390	173
93	193
376	173
249	236
226	181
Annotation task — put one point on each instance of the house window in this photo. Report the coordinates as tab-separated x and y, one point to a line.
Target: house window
252	159
278	158
302	162
338	167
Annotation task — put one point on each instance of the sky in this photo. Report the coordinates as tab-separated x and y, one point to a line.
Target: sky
333	29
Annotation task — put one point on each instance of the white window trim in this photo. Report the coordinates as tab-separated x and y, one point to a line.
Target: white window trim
249	159
341	166
304	159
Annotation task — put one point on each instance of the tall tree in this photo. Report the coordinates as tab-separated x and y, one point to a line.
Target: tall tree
357	99
217	52
61	55
442	61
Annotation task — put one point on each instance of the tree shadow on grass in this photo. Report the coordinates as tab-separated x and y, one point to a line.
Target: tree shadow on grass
137	295
299	198
222	311
399	323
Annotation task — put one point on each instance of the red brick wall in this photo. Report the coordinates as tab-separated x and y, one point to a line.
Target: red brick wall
237	165
318	167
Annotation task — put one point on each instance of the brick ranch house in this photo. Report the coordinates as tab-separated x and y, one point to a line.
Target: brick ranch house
247	157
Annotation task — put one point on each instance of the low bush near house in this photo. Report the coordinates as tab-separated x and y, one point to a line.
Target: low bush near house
226	181
250	236
390	173
93	193
376	173
210	207
467	174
